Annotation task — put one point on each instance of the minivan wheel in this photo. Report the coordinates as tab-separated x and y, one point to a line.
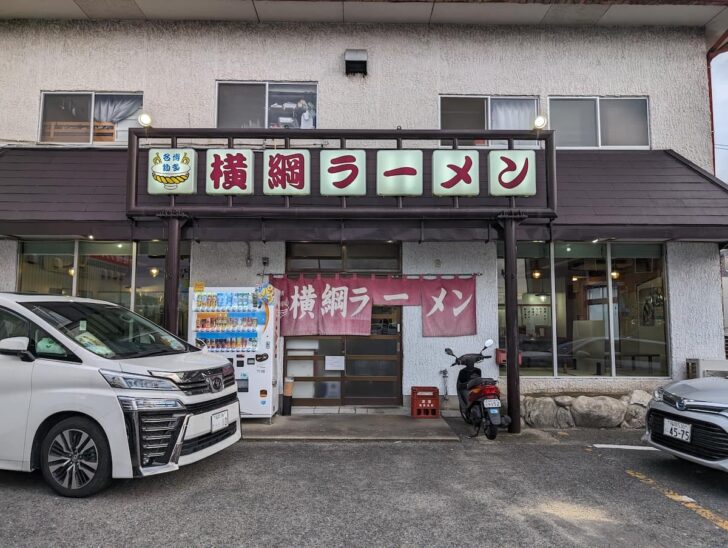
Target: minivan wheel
75	459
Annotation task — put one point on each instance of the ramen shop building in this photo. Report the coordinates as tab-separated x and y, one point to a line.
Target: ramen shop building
389	156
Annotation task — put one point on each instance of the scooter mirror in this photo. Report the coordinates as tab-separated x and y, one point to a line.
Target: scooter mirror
488	343
449	352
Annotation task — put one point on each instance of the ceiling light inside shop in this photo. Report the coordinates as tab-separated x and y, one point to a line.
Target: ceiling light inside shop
90	236
536	274
615	275
71	271
575	278
154	271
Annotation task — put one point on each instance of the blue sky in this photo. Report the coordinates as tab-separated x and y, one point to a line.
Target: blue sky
720	114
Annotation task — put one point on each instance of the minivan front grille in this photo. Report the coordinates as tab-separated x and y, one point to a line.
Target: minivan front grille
211	405
208	440
157	437
194	383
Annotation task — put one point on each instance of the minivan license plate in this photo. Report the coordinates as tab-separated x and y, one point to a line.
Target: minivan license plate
220	420
677	430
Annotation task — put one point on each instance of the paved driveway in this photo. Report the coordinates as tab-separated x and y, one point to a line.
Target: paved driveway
537	489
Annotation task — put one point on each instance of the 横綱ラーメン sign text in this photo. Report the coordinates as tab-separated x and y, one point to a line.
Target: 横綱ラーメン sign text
342	172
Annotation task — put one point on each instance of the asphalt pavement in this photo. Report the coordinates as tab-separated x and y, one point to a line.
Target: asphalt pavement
541	488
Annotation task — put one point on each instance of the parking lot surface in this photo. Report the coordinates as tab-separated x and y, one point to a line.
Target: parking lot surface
541	488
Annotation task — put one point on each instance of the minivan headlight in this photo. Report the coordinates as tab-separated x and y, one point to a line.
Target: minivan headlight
130	381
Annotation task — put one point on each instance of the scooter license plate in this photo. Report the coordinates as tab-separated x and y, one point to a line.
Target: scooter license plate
491	403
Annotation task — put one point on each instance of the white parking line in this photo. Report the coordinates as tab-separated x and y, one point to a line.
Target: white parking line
628	447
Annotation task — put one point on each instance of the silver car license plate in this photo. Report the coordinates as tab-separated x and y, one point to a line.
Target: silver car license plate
677	430
220	420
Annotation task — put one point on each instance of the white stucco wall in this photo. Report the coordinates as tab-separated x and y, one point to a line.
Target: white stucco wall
694	301
424	357
223	263
176	65
8	265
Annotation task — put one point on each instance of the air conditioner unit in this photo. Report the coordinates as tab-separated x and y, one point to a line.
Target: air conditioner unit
706	368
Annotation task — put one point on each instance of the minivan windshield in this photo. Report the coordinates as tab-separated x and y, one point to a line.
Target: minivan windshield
108	330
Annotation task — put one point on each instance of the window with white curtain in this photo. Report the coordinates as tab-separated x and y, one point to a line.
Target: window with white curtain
592	122
85	117
467	112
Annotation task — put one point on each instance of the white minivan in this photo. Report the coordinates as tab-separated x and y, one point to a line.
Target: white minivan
90	391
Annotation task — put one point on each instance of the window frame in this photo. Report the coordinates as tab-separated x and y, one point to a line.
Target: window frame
612	366
93	94
597	99
267	84
487	98
29	326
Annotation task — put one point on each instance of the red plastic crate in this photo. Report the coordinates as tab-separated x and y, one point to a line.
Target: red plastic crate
425	402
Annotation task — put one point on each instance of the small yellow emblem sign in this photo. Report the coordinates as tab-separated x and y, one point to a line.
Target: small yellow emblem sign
172	171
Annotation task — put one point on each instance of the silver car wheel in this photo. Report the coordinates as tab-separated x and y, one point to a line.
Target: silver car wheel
73	458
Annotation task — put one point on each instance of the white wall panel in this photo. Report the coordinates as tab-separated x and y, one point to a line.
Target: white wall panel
176	65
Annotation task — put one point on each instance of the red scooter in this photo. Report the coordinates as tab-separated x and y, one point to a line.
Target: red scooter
478	397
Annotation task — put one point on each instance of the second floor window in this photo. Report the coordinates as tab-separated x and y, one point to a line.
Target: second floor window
461	112
267	105
88	117
592	122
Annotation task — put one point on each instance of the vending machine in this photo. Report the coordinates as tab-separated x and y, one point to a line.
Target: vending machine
243	325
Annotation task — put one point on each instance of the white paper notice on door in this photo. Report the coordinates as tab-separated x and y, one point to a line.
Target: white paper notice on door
335	363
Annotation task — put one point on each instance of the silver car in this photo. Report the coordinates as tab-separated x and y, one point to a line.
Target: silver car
690	420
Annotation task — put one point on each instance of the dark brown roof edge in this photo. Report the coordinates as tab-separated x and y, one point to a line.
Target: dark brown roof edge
707	174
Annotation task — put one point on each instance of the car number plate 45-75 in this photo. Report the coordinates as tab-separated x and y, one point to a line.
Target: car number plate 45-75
220	420
677	430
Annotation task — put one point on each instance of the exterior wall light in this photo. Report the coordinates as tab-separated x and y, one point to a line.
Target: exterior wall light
144	120
540	122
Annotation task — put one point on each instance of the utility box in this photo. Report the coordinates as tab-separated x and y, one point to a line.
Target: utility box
706	368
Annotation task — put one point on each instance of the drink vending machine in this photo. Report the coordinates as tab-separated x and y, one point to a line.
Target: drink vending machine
243	325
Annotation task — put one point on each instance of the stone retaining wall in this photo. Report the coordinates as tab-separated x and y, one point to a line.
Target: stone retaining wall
627	411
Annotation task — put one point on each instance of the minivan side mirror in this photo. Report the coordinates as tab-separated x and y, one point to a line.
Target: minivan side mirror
14	346
449	352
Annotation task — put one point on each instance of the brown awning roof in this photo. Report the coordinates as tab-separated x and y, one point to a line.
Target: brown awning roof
623	194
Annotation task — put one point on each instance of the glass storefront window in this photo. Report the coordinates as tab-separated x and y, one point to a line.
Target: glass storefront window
534	307
104	271
149	282
582	313
46	267
640	338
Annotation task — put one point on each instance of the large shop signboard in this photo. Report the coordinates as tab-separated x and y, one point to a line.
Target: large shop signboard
342	305
342	172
